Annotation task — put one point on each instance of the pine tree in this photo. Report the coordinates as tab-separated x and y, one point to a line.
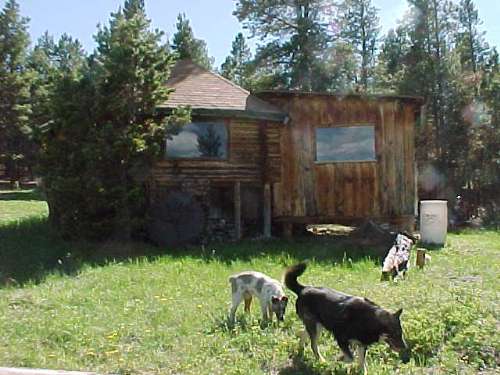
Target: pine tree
360	29
470	40
237	66
391	61
105	131
294	38
187	46
15	132
47	61
438	52
430	34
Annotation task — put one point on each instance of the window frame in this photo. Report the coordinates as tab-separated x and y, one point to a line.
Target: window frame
354	125
218	121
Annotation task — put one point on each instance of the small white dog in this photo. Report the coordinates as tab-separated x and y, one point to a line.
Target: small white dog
270	293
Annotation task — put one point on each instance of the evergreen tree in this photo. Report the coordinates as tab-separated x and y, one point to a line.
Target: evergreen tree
294	41
47	61
15	132
439	53
237	66
430	33
470	41
360	29
187	46
391	62
106	132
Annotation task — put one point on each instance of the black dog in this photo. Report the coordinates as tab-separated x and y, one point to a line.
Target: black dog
350	319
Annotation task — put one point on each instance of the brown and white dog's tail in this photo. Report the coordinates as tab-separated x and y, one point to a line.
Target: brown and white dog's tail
291	275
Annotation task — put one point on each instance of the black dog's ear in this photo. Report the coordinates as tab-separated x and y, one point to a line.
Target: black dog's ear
284	298
398	313
275	299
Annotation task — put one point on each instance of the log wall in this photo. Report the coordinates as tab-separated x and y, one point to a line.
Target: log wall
254	156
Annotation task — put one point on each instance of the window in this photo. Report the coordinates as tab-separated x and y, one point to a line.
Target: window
199	140
346	143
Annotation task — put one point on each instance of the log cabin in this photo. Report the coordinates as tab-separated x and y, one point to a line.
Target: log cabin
254	164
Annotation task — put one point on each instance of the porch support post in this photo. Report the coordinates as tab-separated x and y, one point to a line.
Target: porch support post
237	210
288	230
267	210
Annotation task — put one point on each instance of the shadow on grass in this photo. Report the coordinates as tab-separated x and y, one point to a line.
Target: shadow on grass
342	249
299	365
244	322
21	195
29	250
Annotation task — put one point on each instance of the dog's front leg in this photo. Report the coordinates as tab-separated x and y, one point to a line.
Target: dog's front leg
265	310
302	340
235	303
361	349
346	351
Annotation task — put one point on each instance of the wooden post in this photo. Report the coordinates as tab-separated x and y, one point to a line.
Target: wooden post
420	257
287	230
237	210
267	210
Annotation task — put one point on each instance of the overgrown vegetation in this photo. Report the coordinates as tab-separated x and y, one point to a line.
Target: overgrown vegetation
167	313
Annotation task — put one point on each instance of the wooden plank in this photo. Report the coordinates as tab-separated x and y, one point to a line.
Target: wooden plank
267	211
359	193
237	210
390	162
310	206
399	159
375	201
382	164
410	161
403	221
263	151
321	188
329	180
394	157
277	206
348	189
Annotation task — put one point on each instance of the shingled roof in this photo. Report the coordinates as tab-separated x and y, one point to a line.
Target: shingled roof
209	93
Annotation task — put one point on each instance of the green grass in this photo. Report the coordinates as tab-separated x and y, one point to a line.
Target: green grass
18	205
73	307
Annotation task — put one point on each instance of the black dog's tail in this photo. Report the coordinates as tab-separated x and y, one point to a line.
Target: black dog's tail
291	275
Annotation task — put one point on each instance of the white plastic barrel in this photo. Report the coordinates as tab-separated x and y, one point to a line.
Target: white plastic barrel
433	222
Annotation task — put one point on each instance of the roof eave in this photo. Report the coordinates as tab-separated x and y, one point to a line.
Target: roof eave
265	93
235	113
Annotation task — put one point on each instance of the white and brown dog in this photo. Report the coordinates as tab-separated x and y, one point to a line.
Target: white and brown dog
269	291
